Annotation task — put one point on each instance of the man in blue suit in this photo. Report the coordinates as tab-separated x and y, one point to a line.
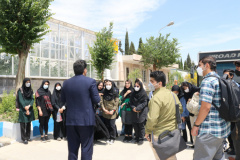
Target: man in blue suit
80	93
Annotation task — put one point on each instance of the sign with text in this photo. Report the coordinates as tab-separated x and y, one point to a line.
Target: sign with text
222	55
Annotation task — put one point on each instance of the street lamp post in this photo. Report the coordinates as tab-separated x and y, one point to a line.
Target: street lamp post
169	24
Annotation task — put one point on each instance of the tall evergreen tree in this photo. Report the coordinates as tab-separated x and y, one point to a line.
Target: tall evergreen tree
132	49
120	47
139	46
181	64
126	44
185	66
189	62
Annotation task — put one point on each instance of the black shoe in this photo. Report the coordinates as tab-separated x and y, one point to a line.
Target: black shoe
47	139
43	140
232	152
130	139
125	139
29	140
25	142
135	141
140	142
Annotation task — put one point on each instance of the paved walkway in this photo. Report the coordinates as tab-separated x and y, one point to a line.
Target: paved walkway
57	150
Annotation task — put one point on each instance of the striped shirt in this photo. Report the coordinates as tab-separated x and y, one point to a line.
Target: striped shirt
210	92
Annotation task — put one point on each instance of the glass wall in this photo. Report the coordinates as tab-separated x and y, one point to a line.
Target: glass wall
54	55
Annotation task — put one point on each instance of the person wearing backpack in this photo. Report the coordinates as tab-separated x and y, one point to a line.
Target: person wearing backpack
26	114
210	129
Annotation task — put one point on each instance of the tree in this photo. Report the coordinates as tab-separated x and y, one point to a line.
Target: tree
132	49
186	66
181	64
190	80
23	23
136	73
139	46
102	51
120	47
189	62
160	52
126	44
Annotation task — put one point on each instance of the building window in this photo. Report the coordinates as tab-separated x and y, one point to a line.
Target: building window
127	73
144	78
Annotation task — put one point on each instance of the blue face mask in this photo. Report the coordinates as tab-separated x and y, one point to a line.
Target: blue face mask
151	87
45	86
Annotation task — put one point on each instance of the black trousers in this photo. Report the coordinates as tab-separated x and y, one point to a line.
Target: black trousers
128	129
139	131
236	140
59	130
25	130
110	124
43	124
188	123
80	135
230	136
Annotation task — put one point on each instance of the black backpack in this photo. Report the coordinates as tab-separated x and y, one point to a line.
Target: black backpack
229	109
17	100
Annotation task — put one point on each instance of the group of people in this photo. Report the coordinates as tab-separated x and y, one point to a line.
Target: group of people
47	104
80	99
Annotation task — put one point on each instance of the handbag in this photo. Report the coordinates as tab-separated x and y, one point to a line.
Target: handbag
169	142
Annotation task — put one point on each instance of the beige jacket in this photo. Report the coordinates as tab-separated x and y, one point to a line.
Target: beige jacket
110	105
193	105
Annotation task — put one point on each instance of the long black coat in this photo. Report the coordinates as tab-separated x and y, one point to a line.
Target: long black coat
192	90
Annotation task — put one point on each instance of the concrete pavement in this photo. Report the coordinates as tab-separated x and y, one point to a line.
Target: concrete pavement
57	150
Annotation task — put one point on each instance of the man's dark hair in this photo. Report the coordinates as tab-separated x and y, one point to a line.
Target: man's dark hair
211	61
184	84
79	67
231	72
237	63
159	76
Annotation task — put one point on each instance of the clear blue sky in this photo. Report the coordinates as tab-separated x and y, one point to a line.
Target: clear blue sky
206	25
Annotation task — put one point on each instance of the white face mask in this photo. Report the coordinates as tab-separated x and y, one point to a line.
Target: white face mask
177	94
58	88
186	90
45	86
151	87
108	87
200	71
28	84
136	89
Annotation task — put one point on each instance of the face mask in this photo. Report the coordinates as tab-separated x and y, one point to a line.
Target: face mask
27	84
136	89
58	88
108	87
186	90
45	86
200	71
237	72
177	94
151	86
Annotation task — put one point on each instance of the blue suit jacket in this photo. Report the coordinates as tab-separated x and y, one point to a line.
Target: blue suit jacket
80	93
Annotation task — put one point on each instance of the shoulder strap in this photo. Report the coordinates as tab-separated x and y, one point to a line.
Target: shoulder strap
178	117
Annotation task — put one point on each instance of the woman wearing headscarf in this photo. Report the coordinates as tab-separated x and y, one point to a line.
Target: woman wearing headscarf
58	113
125	99
109	104
26	114
100	87
177	90
44	106
138	103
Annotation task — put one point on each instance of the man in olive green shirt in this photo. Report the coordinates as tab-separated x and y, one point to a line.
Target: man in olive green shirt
162	110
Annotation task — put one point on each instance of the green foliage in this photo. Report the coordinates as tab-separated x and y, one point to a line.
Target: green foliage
132	49
191	80
126	44
102	51
8	108
23	23
160	51
140	46
120	47
136	73
173	78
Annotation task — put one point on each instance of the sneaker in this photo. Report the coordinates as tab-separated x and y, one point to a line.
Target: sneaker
47	139
59	139
130	140
25	142
108	141
125	139
135	141
140	142
43	140
112	141
29	140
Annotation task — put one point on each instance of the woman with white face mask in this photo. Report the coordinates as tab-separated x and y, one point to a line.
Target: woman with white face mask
26	113
188	91
58	113
109	104
44	105
138	103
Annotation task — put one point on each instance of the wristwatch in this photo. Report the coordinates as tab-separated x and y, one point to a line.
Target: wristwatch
196	125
